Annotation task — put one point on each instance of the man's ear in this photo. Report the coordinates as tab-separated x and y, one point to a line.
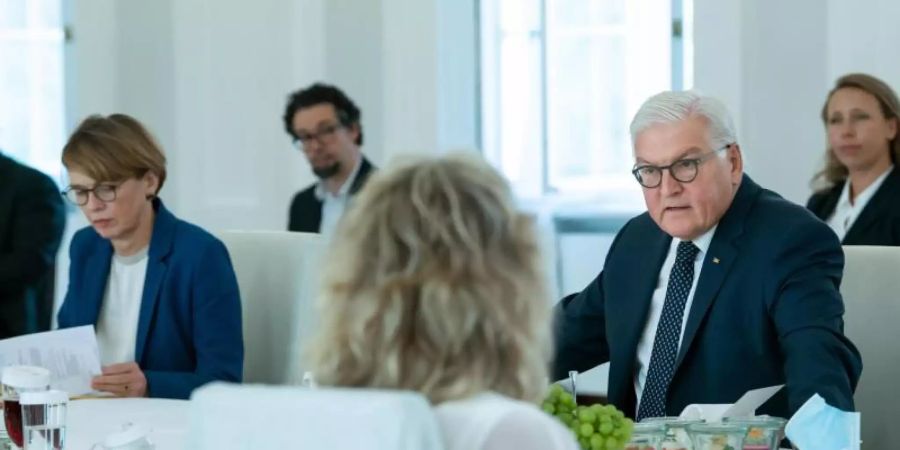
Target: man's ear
736	158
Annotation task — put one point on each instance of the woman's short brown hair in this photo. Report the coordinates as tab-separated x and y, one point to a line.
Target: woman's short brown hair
435	284
114	148
835	172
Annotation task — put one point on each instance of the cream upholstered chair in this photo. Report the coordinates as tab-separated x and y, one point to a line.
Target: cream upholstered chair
278	276
263	417
871	291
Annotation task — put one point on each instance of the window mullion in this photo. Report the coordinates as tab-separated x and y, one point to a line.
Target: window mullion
546	188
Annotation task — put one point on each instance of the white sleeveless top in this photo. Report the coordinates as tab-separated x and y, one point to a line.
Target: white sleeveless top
491	421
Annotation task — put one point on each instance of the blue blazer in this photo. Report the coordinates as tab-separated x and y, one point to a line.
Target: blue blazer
766	311
189	328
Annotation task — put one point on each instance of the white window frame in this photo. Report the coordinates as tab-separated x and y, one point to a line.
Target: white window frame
619	192
44	143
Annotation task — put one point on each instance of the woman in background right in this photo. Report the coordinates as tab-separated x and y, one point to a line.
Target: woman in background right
859	187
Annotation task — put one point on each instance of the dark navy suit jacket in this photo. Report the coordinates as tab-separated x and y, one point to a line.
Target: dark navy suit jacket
306	209
766	311
189	328
32	218
879	221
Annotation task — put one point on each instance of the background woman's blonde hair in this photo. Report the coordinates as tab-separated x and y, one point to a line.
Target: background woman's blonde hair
114	148
835	172
435	285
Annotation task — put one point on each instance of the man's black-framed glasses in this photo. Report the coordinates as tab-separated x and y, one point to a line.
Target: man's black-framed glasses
105	192
684	170
323	134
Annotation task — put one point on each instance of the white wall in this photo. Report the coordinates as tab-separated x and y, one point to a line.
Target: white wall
767	60
864	37
232	164
210	79
353	50
429	65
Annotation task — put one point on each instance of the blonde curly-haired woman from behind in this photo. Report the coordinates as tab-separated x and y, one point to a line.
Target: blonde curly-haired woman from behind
435	285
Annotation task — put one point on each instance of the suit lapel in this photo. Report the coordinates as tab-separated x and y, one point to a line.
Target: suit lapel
646	278
884	197
717	262
160	246
362	175
711	278
824	208
315	214
7	177
364	169
627	312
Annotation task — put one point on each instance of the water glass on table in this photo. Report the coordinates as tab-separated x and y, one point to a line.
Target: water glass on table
4	438
44	419
17	380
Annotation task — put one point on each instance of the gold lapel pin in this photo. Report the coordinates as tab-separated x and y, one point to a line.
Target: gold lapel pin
715	260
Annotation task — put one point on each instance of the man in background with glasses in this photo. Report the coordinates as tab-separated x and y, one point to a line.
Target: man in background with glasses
32	219
720	287
325	125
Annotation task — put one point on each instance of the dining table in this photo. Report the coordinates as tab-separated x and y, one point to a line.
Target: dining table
91	420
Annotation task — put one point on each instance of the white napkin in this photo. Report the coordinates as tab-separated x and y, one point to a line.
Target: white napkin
744	407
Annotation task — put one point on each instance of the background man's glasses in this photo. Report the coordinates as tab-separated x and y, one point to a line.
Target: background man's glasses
684	170
324	134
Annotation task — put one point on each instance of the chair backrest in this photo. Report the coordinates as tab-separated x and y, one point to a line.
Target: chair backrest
278	276
263	417
871	291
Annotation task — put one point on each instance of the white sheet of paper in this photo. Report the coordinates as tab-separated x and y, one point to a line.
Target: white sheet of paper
745	406
71	355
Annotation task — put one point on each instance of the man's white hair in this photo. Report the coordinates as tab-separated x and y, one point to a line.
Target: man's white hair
670	107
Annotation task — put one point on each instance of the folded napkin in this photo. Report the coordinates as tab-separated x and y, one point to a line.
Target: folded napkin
745	406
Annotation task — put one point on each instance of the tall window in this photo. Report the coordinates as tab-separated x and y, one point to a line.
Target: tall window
561	80
32	106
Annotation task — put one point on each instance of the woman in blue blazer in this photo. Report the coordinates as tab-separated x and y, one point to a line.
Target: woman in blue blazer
160	292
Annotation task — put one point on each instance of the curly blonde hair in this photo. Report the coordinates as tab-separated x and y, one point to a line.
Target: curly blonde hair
435	285
834	171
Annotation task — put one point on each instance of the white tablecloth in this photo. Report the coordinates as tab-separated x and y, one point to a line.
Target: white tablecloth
91	420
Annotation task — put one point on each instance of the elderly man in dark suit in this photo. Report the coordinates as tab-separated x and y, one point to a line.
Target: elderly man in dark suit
32	219
720	287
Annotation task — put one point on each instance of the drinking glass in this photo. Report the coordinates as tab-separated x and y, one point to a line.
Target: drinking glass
17	380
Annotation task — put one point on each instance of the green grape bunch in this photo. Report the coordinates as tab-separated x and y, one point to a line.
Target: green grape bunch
596	427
